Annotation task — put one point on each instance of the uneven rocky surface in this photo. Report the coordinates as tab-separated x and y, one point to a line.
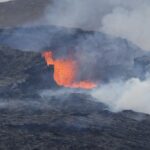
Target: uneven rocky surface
22	73
74	121
35	114
113	57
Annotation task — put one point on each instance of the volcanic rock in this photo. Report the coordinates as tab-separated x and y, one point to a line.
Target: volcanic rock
23	72
113	57
62	120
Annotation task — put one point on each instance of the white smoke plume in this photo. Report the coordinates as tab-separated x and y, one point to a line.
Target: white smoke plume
127	19
130	95
130	24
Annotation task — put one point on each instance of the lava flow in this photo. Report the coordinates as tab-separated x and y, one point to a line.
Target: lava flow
65	72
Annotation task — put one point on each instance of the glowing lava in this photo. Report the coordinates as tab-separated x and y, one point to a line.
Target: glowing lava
65	72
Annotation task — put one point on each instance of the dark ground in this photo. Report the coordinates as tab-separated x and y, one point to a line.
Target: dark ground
74	124
29	121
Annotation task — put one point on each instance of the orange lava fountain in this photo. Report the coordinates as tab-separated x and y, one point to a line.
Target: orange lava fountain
65	72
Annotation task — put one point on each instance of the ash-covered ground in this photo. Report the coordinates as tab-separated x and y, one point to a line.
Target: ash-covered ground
36	114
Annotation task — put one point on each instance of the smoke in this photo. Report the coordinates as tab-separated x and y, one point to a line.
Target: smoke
75	13
130	24
86	14
130	95
126	19
101	57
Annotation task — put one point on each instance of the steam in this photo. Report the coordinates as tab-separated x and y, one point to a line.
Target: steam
126	19
101	57
86	14
130	24
130	95
75	13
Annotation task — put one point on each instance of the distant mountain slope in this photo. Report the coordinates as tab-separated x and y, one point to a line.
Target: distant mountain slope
38	38
18	12
113	57
36	114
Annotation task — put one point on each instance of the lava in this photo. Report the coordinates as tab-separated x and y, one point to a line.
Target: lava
65	72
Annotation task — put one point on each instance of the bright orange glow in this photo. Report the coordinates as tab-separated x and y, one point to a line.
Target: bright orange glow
65	72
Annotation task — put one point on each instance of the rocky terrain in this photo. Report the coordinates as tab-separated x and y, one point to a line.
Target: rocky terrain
118	57
22	72
35	114
74	121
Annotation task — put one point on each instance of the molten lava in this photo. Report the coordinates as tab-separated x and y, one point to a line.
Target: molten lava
65	72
